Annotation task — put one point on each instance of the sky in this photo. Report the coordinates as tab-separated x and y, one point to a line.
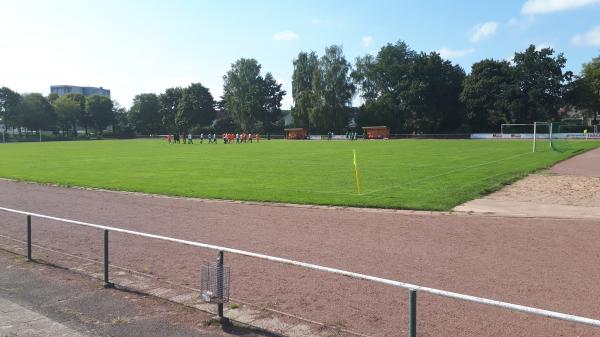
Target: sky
133	47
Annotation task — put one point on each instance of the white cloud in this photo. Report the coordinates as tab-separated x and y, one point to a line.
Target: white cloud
367	40
512	22
484	30
286	35
447	53
317	21
542	45
550	6
591	38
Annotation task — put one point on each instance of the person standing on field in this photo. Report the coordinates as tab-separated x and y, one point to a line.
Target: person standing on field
189	138
250	138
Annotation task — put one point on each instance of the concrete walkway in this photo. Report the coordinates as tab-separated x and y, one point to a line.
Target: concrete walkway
16	320
42	300
528	209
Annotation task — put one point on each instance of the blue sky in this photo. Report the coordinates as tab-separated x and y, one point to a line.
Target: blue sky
133	47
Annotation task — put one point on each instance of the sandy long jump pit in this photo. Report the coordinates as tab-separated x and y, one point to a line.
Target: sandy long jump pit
570	189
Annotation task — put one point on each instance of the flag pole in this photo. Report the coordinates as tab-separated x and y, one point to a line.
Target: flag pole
356	173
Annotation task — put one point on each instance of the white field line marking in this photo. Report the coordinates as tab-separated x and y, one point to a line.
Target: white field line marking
444	174
384	189
443	293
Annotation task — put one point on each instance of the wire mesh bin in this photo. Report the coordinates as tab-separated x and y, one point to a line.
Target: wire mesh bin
214	279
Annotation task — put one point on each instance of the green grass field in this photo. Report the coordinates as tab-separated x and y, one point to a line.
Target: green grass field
409	174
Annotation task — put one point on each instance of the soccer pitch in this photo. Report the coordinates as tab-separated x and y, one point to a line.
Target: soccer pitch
407	174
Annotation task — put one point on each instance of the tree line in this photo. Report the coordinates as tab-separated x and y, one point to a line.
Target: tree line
417	92
33	112
251	102
406	90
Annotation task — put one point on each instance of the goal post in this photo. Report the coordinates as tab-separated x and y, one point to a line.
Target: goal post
542	134
516	128
557	135
547	136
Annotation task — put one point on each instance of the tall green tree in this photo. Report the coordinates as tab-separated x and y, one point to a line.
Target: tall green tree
306	66
541	83
252	101
36	112
196	108
169	104
67	112
334	88
9	102
83	119
121	125
580	96
52	97
100	109
383	79
409	91
241	92
488	94
432	100
591	80
272	97
145	114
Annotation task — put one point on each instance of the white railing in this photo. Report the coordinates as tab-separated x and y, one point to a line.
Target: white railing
413	288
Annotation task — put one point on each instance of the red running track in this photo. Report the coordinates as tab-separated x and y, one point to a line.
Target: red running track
545	263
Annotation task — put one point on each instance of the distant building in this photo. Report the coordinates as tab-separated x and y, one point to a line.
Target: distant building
85	91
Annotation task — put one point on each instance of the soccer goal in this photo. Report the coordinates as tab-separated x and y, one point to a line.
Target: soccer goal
546	136
555	136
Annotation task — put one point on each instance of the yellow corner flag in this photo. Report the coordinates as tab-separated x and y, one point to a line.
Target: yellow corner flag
356	173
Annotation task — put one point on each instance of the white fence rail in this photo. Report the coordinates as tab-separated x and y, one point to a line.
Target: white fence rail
413	288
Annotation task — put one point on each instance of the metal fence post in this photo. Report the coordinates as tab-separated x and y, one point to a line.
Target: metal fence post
29	238
222	319
412	313
107	284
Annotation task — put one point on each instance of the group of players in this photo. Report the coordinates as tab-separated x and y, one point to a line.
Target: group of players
228	138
